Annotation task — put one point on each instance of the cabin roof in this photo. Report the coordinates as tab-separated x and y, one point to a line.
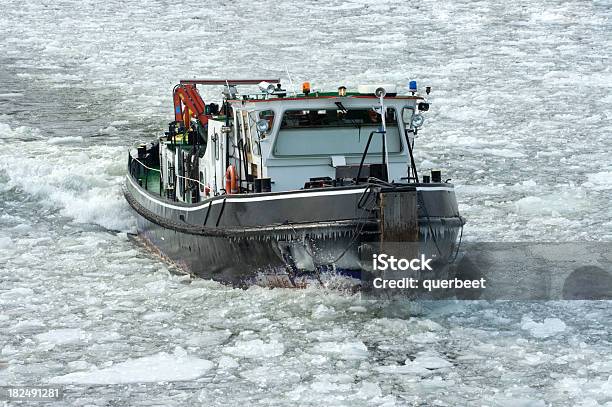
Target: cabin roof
320	96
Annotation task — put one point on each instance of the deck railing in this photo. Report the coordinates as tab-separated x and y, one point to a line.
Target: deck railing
140	171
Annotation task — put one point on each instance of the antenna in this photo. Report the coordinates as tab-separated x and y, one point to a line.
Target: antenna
290	81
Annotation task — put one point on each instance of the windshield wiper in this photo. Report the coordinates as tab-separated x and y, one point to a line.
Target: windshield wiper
343	109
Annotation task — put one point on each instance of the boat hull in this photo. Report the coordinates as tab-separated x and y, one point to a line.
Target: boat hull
282	238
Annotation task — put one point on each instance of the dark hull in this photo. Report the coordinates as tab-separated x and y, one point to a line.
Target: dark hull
275	238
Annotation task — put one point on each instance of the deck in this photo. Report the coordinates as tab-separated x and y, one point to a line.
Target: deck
150	180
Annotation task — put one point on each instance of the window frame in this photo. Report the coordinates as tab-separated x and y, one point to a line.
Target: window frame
279	129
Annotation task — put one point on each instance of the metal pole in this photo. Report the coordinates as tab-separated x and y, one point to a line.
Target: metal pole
384	131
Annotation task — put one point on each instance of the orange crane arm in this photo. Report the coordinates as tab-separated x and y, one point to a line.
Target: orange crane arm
188	103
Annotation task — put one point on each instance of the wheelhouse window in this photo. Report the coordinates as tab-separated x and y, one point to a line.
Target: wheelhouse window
407	114
324	132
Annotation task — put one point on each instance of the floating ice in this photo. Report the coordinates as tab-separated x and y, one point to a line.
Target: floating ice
5	242
551	204
322	311
208	338
19	292
429	360
407	369
255	348
505	78
326	386
271	374
344	350
503	152
158	316
227	363
32	325
549	327
369	390
64	336
505	401
162	367
600	180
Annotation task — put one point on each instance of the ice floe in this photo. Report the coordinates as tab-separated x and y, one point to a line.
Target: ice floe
544	329
161	367
255	348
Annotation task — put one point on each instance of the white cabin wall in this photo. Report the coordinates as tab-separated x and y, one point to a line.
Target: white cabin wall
291	173
215	173
292	176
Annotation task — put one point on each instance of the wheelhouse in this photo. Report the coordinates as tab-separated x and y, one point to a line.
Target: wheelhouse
275	142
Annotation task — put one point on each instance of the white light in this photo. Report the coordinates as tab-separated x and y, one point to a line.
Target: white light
266	87
417	120
371	89
263	126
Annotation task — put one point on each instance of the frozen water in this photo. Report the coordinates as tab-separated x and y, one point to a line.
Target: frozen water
343	350
161	367
549	327
520	120
255	349
429	360
63	336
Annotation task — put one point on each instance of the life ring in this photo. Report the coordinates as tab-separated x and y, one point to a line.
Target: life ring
231	180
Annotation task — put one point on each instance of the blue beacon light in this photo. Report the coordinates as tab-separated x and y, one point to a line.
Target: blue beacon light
412	86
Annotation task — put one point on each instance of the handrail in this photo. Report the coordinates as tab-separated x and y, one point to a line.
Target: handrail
148	168
178	176
227	82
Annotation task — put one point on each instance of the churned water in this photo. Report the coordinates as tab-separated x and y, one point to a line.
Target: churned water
520	120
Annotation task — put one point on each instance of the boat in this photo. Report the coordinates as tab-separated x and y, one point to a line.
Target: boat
278	187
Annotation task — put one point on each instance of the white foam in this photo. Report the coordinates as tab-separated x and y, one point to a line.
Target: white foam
108	130
84	188
65	140
19	132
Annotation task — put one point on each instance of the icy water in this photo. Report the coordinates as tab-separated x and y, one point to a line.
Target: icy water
520	121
